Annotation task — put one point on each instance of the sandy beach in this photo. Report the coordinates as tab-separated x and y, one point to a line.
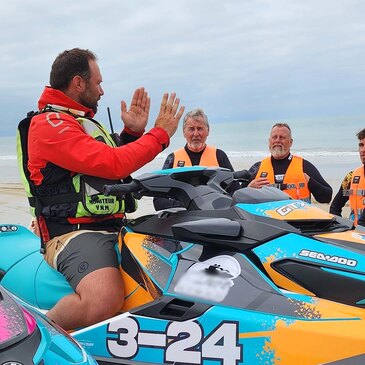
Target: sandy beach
18	211
14	206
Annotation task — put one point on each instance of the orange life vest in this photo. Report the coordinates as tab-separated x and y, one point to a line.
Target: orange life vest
356	193
208	158
294	182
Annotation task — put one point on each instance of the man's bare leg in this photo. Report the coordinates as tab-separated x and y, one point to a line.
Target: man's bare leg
99	296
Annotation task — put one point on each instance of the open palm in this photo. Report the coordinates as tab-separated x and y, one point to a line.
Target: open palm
136	117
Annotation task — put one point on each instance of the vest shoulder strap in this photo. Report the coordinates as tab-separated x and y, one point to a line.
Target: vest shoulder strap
22	146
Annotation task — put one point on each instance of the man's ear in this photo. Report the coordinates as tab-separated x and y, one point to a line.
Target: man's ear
78	83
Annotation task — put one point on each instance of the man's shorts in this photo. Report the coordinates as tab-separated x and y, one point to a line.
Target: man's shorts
77	254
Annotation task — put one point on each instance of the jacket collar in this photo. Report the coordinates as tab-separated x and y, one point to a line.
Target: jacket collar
58	100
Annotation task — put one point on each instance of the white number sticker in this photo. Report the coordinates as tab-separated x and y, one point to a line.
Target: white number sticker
182	342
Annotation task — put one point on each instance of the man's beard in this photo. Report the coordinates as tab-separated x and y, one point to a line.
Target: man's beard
196	145
278	152
86	100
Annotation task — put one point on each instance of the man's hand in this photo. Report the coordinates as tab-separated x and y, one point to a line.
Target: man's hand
137	116
259	183
168	118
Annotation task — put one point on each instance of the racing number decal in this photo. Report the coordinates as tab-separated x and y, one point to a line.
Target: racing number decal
184	337
183	342
125	345
222	344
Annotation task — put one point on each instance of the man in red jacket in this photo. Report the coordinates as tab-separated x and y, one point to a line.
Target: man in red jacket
70	157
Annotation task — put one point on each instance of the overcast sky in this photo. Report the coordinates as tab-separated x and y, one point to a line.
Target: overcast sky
238	60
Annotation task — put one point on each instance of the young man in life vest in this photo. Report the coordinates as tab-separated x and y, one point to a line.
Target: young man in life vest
195	152
292	174
353	188
70	157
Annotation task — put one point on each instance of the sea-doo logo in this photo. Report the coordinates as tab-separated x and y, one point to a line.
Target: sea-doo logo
328	258
11	363
286	209
180	163
356	179
263	174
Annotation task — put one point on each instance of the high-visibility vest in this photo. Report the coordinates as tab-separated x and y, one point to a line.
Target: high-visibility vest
208	158
356	193
294	182
76	198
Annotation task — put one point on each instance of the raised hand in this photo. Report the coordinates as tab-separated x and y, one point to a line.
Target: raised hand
136	117
168	117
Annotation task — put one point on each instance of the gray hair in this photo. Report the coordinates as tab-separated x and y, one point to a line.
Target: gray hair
280	125
195	114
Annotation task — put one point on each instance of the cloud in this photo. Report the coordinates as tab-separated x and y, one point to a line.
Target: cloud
239	60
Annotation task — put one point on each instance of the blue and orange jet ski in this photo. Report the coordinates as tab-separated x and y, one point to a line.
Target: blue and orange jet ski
250	279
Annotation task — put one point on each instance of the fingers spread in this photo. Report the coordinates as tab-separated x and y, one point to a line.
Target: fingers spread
180	113
135	97
148	104
123	106
171	101
163	102
141	94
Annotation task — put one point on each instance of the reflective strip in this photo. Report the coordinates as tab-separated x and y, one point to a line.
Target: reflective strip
349	192
279	186
290	186
287	186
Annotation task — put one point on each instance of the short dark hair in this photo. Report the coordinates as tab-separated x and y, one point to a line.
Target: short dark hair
69	64
361	135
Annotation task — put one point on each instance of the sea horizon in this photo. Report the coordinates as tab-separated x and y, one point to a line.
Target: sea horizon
329	143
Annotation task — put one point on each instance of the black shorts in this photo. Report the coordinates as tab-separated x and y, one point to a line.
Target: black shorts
85	253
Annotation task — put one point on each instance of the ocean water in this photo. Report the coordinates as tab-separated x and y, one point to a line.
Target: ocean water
330	143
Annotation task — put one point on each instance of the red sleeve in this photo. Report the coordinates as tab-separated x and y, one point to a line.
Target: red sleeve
63	142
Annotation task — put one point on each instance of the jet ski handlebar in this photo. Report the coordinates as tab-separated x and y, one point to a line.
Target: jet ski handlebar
242	175
195	187
121	189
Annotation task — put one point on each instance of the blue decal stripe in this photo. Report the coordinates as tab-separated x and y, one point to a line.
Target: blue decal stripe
261	208
178	169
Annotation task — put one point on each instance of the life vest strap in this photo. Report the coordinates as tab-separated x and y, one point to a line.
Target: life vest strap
53	200
287	186
350	192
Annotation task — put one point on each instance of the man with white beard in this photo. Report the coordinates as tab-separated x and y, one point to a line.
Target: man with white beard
289	173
